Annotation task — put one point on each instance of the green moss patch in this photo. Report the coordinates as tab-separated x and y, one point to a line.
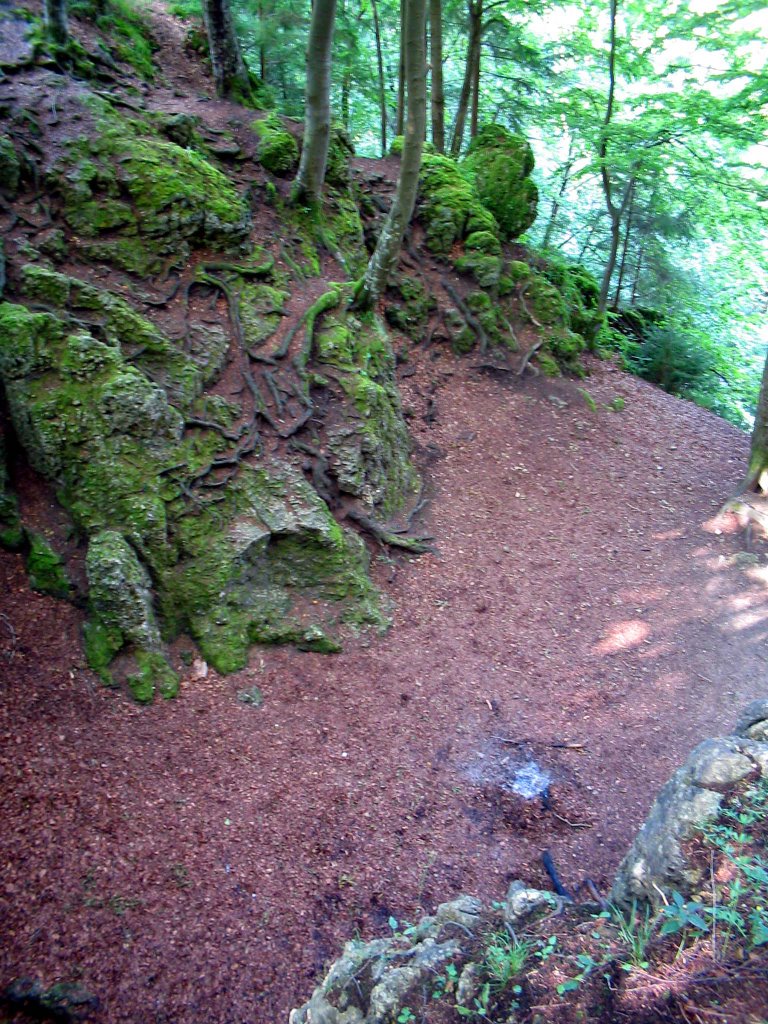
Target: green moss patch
278	149
500	164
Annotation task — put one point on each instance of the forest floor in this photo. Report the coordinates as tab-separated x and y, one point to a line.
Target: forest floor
585	616
202	859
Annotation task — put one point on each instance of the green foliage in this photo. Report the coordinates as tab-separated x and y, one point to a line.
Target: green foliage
670	357
125	24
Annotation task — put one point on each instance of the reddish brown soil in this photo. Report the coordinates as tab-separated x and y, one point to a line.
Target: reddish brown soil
203	859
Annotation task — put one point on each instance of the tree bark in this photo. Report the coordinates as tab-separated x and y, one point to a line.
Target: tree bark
317	107
474	113
438	91
230	74
757	476
556	202
473	54
624	248
390	240
401	75
615	211
55	13
382	85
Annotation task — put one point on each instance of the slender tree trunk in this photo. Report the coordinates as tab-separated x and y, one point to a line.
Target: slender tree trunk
390	240
317	107
638	271
757	475
475	104
55	13
625	248
262	50
473	48
401	74
230	74
557	201
382	85
615	212
438	92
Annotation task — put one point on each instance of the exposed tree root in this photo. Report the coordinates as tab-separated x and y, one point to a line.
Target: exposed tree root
416	545
465	311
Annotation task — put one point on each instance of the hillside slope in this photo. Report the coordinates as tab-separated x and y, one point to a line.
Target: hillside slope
204	857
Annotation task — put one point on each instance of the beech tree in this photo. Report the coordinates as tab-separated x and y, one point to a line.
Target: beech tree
308	186
437	94
387	249
230	74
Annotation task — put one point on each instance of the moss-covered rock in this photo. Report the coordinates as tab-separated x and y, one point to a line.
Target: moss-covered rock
450	207
396	146
120	590
415	303
500	164
11	532
371	448
278	149
45	567
10	168
154	194
153	674
340	151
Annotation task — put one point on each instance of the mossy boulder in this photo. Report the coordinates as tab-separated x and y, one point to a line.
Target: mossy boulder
370	447
150	194
410	312
265	562
278	149
120	590
449	205
500	164
340	151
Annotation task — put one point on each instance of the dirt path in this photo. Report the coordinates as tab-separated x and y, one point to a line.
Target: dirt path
202	859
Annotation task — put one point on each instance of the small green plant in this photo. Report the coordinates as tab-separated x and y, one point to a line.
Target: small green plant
405	1016
634	931
589	401
505	957
617	404
588	964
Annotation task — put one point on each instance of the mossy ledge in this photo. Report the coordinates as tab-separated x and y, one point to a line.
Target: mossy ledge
260	561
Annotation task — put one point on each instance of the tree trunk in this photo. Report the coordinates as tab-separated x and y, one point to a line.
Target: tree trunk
401	75
308	186
475	103
614	212
556	202
382	85
230	74
56	26
390	240
438	92
757	476
625	248
473	53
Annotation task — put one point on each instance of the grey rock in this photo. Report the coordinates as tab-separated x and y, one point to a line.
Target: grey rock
718	764
120	589
753	720
522	901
